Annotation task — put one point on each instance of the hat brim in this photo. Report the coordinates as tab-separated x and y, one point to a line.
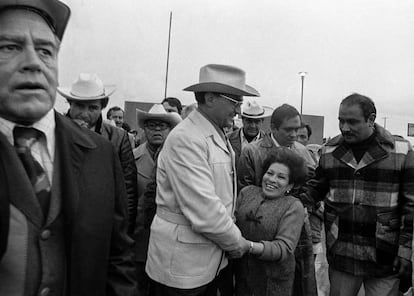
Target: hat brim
171	118
65	92
55	12
248	91
267	112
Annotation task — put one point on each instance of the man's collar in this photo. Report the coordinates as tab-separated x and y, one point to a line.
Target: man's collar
218	129
243	137
274	140
46	125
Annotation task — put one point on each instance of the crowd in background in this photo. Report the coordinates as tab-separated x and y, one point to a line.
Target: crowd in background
189	204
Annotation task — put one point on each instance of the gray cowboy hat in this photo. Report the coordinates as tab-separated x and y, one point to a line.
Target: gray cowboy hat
223	79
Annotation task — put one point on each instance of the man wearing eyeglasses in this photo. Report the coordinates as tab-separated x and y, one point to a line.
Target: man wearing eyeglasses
157	124
196	191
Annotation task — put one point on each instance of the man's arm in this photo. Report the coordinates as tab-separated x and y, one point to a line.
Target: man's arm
314	190
130	175
121	270
192	181
402	263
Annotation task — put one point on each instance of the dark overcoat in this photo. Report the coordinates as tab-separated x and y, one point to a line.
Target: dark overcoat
93	203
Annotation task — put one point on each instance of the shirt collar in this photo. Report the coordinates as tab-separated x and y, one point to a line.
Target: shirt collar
243	138
274	140
46	125
277	144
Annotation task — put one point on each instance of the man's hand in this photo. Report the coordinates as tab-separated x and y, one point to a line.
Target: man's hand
402	267
239	251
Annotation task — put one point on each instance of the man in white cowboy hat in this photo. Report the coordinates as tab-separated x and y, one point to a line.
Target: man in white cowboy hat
252	116
87	97
196	190
157	124
63	217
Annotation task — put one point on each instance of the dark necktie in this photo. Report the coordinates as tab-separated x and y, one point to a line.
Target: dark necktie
24	138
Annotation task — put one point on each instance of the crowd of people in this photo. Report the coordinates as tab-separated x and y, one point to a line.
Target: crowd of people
189	205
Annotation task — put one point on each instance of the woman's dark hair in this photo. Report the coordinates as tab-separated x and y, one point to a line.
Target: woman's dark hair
294	162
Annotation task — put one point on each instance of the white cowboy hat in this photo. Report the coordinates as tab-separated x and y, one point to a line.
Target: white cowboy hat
223	79
157	112
86	87
251	109
54	12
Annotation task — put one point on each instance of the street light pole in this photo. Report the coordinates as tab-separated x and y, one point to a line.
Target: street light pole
302	76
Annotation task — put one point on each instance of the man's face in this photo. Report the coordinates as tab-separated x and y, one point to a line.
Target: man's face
251	126
85	113
28	66
118	117
169	108
303	136
156	131
225	108
286	134
353	126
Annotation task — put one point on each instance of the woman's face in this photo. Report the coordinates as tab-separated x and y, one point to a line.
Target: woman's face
275	181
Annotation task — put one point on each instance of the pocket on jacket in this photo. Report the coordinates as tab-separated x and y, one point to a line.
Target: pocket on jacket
331	229
192	253
386	237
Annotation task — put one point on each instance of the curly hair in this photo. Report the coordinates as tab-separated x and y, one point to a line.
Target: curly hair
293	161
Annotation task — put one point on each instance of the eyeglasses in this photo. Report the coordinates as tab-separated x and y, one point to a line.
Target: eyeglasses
235	102
153	125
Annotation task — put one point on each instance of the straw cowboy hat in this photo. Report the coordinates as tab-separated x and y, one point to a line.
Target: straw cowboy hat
223	79
251	109
54	12
157	112
86	87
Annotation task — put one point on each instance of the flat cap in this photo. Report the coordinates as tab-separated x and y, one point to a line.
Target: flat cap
55	12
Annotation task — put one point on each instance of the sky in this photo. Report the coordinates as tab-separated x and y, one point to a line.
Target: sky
364	46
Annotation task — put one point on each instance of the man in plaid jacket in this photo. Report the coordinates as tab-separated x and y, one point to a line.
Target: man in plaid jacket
366	177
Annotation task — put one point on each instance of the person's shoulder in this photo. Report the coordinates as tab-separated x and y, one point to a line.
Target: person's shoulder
251	190
114	129
80	135
295	203
234	134
140	150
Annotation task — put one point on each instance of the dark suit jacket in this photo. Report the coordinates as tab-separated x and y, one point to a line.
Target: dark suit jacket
98	250
235	141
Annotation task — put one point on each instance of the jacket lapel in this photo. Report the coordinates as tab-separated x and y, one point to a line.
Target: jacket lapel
20	191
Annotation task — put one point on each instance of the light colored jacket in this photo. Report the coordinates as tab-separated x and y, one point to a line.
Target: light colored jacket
195	206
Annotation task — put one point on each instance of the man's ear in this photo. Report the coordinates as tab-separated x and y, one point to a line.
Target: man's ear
371	119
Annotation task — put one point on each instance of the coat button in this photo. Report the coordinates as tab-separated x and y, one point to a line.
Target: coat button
44	292
45	234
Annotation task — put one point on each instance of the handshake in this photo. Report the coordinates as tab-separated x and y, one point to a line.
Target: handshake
245	246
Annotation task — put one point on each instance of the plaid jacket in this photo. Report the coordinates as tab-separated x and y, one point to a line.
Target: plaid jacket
368	205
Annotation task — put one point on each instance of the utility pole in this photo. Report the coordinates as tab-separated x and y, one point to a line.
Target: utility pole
385	121
168	56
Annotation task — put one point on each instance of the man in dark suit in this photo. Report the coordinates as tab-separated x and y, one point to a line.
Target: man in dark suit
63	217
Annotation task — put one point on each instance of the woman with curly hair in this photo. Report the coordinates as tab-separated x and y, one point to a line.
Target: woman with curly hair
271	219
